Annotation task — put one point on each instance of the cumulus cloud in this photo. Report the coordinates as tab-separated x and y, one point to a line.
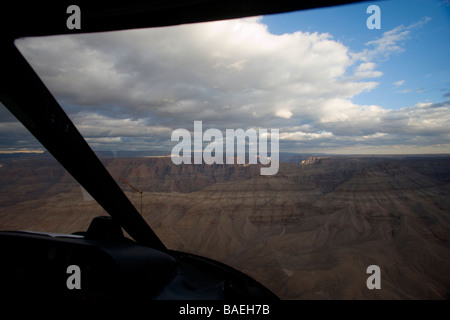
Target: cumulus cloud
366	70
131	89
283	113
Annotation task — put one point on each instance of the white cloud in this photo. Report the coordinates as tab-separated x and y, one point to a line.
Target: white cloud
103	140
399	83
130	89
423	104
366	70
392	41
375	135
235	70
302	136
286	114
389	42
343	110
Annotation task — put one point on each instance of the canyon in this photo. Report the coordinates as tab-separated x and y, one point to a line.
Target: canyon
308	232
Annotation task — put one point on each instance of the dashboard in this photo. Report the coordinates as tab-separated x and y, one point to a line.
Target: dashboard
102	265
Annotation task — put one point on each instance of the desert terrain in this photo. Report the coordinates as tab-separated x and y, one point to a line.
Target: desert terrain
308	232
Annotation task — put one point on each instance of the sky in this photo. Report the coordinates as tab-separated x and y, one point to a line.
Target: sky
326	81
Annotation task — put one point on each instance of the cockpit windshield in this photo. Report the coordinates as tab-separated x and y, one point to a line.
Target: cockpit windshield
299	148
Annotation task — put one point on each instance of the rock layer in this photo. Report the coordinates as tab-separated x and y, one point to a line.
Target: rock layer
309	232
